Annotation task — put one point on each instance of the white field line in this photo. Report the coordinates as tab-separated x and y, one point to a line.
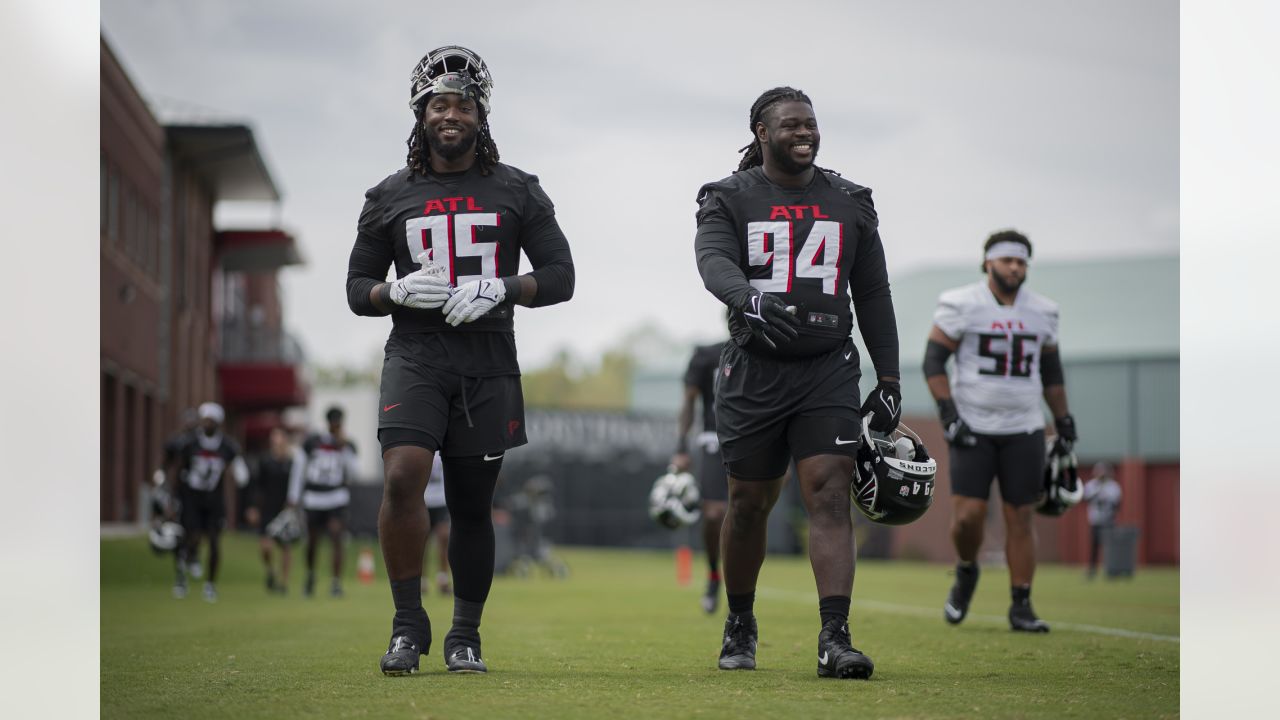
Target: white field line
936	613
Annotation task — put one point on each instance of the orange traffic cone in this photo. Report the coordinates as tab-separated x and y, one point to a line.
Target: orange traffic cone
364	566
684	565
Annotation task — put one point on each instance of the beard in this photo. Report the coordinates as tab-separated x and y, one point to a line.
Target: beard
452	150
781	154
1006	285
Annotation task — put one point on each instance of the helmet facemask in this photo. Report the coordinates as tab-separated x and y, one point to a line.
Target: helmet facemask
451	70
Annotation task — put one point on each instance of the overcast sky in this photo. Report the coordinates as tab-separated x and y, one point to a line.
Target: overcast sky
1058	118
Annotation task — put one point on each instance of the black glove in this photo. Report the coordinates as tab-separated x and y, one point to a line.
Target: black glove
770	320
884	406
954	429
1066	440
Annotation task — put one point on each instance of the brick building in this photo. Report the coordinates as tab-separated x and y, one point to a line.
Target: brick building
183	305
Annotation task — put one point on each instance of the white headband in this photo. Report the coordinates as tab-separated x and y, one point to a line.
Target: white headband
1008	249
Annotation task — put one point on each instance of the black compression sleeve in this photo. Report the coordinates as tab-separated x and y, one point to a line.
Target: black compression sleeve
547	248
1051	369
935	358
873	304
716	248
370	258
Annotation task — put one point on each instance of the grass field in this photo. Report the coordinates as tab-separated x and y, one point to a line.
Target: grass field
619	638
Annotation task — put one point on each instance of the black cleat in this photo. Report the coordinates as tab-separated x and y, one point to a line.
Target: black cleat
837	658
738	651
410	638
711	599
1023	619
957	605
401	657
464	658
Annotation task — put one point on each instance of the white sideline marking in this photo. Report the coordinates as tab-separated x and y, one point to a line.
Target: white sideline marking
937	613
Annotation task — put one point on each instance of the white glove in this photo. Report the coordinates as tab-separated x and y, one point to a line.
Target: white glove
473	300
423	289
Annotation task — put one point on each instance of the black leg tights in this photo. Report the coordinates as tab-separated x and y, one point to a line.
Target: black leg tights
469	483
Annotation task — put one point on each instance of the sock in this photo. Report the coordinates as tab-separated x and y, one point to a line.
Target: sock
466	622
714	575
1021	594
742	603
834	608
407	594
713	568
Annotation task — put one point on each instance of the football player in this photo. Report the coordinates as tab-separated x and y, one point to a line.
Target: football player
699	386
327	467
438	527
453	222
787	245
204	460
1005	341
267	498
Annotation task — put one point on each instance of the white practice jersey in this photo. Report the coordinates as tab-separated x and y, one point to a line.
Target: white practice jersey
435	486
996	383
329	465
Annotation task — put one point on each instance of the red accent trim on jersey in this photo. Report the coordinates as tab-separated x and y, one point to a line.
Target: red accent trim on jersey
497	249
791	254
453	254
839	255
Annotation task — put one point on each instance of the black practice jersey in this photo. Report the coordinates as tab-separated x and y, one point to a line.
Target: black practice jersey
701	374
271	485
204	460
816	247
475	227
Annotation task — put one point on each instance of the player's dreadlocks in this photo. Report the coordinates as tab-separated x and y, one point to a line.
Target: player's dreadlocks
486	148
768	99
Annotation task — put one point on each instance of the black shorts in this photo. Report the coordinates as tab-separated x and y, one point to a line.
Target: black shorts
713	481
1016	461
445	412
318	520
437	515
202	511
268	512
769	412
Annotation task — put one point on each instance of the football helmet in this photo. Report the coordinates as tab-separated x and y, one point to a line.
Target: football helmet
286	527
674	500
1062	486
893	476
451	69
165	537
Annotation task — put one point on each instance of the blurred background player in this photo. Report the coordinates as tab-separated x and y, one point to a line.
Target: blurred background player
438	517
1005	339
204	459
1103	494
270	490
699	386
453	222
789	248
328	464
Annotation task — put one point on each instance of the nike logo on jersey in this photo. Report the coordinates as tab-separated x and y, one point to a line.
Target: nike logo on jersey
390	407
848	354
822	659
491	458
845	442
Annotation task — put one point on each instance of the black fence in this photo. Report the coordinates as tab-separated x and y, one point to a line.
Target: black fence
597	469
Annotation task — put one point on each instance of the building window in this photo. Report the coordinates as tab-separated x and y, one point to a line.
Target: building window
103	200
113	204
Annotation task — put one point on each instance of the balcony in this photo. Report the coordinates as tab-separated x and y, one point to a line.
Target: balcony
260	368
